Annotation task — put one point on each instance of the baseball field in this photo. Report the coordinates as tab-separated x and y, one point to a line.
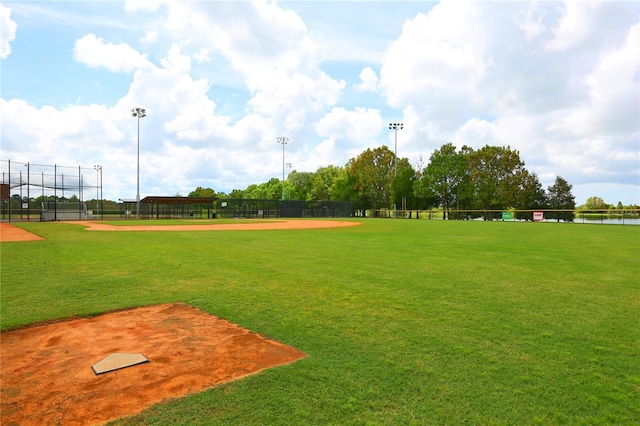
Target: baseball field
387	322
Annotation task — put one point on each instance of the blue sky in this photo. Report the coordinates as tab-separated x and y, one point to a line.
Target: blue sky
559	82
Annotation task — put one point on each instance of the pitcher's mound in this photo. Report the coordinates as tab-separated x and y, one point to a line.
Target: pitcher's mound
47	376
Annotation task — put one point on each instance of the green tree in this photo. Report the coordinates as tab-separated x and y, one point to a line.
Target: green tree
323	181
443	176
373	171
202	192
301	184
237	193
271	190
402	186
496	174
252	191
595	203
561	198
531	196
344	189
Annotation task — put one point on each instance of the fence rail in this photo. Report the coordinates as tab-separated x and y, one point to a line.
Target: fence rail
608	216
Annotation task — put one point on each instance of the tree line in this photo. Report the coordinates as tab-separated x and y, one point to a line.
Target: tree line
462	182
474	181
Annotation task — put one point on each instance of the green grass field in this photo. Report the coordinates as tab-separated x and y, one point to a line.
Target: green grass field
405	321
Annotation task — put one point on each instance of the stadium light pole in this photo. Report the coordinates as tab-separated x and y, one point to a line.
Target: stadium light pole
138	113
283	140
395	127
98	173
288	173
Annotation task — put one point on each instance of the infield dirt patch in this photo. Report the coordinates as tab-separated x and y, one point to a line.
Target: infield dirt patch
240	226
46	375
8	232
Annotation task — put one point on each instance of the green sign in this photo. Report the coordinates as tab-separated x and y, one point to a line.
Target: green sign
507	215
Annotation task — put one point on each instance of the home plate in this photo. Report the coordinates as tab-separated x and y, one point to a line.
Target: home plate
118	361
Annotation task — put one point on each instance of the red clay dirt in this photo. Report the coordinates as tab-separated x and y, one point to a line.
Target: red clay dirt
46	375
240	226
8	232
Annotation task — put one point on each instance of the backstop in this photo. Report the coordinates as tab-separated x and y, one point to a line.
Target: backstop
49	192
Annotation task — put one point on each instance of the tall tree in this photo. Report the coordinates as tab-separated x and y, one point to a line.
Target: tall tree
442	177
344	189
202	192
237	193
561	198
301	184
530	196
496	174
595	203
373	171
322	182
402	185
271	190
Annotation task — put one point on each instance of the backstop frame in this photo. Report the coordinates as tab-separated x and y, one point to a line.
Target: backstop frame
26	186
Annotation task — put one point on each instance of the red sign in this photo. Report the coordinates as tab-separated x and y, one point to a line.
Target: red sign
538	216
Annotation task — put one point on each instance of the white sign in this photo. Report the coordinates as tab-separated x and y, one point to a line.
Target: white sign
25	205
538	216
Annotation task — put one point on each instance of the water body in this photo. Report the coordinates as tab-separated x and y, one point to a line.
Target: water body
606	221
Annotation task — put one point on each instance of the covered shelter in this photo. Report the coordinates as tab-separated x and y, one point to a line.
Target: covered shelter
165	207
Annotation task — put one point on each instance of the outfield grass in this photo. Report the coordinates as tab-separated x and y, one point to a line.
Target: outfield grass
404	321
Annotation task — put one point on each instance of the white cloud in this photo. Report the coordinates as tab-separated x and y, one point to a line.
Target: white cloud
94	52
575	25
270	48
176	61
614	93
359	127
150	36
7	31
88	132
144	5
476	133
442	50
531	22
368	80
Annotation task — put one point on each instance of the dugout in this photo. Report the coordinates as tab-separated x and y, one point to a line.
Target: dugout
163	207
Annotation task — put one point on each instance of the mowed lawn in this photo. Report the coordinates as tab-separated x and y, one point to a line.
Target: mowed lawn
404	321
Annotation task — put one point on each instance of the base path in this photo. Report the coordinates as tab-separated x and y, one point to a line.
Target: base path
240	226
8	233
46	375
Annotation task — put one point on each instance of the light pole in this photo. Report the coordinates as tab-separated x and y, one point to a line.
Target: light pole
138	113
395	127
98	173
283	140
288	173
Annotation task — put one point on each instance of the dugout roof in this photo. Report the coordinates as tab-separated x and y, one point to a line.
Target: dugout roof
178	200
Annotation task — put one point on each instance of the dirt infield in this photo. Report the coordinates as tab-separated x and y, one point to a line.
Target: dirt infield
240	226
46	375
8	233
